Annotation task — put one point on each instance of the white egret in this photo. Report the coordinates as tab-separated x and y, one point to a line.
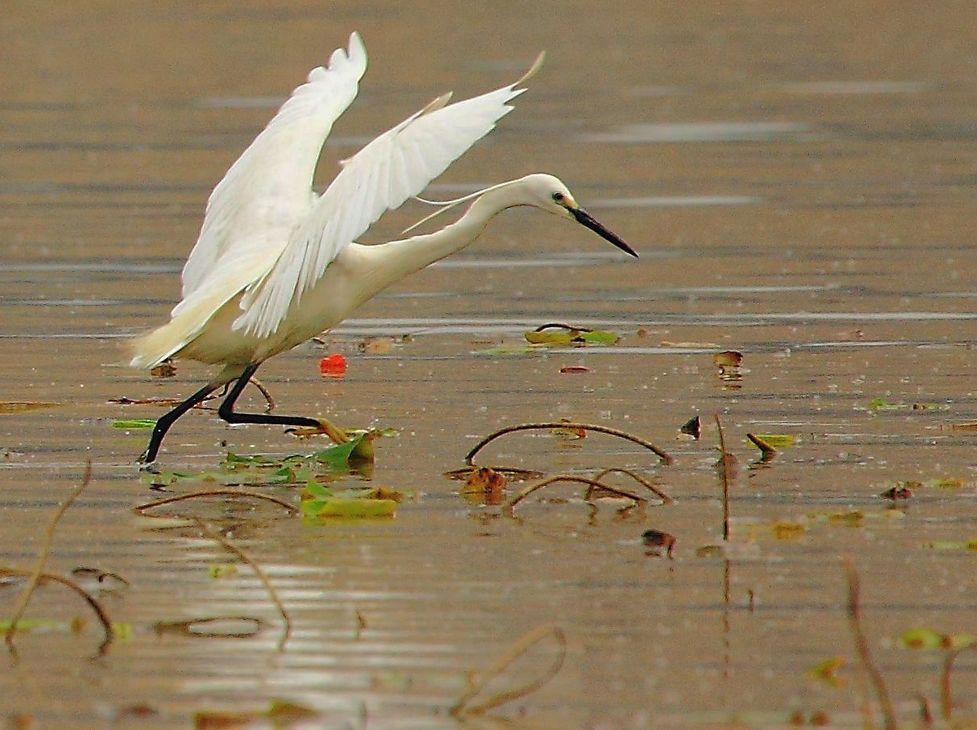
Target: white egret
275	264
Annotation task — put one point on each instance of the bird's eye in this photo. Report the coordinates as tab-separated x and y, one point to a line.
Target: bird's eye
558	196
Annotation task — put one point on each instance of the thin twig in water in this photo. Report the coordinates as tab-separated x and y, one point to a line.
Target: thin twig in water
35	575
665	458
463	708
96	607
946	696
593	484
725	466
638	478
861	645
269	401
140	509
273	594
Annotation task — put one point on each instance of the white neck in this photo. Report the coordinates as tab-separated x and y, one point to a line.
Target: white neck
390	262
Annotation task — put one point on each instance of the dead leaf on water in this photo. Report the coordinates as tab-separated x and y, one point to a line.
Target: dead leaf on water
376	345
279	714
692	427
228	627
728	359
788	530
165	369
710	551
574	369
657	542
22	406
571	431
486	482
897	493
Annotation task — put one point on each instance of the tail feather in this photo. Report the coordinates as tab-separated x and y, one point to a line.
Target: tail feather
149	350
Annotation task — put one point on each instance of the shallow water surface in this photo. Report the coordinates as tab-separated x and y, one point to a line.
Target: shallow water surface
799	183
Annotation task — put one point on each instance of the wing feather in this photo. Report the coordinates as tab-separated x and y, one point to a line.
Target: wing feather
395	166
268	188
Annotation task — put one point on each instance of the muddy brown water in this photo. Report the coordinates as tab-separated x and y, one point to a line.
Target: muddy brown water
800	182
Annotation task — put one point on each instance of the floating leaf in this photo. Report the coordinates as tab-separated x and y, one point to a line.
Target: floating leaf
280	714
827	671
215	627
221	570
921	638
788	530
562	335
505	351
134	423
878	404
22	406
349	507
777	440
600	337
551	337
853	518
951	545
710	551
339	455
320	501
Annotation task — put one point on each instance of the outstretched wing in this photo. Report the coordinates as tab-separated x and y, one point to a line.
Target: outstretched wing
269	188
395	166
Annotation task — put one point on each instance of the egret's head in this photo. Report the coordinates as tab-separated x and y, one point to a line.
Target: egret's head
550	194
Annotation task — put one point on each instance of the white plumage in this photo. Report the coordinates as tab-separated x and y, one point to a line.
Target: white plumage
275	264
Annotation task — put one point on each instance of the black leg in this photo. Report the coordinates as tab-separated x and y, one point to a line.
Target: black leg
226	410
167	420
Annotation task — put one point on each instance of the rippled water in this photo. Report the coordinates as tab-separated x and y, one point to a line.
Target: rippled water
799	182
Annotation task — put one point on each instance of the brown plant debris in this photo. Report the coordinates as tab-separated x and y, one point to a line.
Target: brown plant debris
946	690
638	478
477	682
664	457
272	593
485	480
767	452
34	576
727	463
592	484
692	427
234	493
656	541
862	646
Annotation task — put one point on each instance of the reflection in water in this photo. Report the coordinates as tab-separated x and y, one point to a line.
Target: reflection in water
700	132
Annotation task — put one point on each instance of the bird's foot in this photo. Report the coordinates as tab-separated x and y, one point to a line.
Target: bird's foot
335	434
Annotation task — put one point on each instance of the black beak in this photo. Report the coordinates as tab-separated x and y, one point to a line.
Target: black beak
586	219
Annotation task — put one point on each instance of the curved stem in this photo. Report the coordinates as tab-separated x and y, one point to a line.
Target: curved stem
665	458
